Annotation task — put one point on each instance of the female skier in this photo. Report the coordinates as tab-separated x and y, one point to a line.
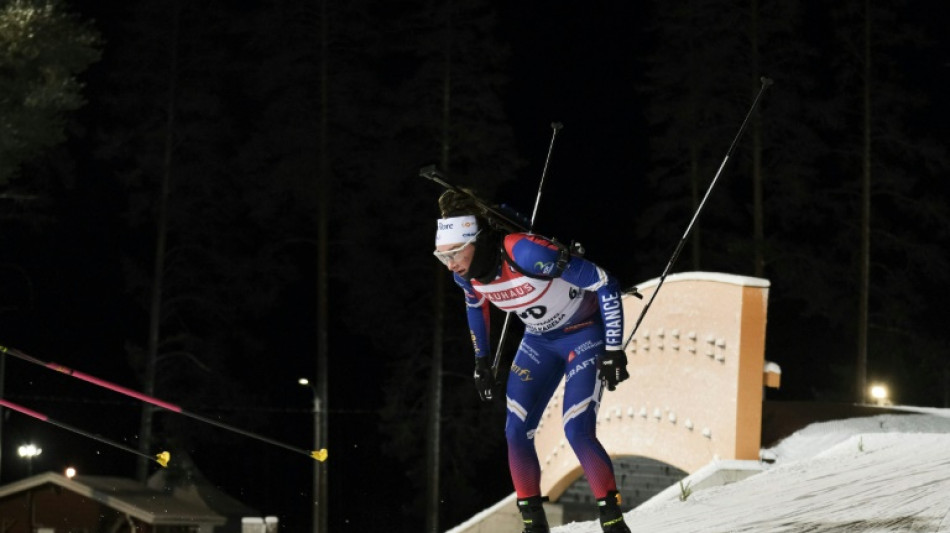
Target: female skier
573	319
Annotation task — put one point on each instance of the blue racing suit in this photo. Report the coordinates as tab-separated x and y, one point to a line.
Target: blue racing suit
570	320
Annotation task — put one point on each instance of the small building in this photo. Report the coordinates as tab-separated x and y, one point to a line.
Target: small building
52	503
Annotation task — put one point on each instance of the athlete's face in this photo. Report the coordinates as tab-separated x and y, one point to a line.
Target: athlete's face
457	257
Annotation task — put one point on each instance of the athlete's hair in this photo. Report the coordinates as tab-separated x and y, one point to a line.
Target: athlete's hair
484	265
454	203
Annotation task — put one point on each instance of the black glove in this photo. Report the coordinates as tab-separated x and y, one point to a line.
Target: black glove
612	366
483	378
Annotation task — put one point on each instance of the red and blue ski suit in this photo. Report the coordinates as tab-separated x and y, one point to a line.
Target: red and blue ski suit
569	320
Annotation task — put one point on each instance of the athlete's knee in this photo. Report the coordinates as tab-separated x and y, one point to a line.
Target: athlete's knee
516	430
578	434
518	422
580	428
517	435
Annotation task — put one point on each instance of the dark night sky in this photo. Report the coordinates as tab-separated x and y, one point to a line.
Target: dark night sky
568	64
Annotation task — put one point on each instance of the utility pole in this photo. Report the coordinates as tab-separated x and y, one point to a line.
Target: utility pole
323	206
317	417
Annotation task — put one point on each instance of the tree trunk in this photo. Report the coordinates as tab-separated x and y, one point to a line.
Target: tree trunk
865	253
158	270
323	190
434	429
696	247
758	212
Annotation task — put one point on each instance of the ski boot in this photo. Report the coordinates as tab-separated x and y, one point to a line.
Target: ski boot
611	519
532	514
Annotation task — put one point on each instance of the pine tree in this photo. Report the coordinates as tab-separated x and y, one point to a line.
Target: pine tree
43	51
202	262
444	107
889	168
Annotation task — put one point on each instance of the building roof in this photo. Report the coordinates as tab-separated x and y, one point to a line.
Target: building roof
125	495
185	482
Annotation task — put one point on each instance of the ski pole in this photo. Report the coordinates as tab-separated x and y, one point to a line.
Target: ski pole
161	458
319	455
555	127
679	246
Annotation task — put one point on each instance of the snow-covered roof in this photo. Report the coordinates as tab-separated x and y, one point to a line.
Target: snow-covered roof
880	473
125	495
718	277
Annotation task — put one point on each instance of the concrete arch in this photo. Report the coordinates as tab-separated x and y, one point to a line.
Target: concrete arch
695	392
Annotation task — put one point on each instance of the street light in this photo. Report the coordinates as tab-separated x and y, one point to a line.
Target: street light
304	382
880	394
28	452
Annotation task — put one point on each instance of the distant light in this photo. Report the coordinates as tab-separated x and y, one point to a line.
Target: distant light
878	392
304	381
70	472
29	451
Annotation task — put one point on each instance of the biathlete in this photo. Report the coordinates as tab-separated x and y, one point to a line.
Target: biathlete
573	318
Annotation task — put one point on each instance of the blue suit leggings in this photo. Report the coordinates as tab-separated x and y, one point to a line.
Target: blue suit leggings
537	369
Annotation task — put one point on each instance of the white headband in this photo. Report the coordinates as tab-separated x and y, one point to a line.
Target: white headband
456	229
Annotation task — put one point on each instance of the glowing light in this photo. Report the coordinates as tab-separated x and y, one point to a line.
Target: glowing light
879	392
70	472
29	451
303	381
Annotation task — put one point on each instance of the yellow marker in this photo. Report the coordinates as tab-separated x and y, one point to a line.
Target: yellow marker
163	458
319	455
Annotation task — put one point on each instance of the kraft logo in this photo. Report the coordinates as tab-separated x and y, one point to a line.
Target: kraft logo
587	363
571	356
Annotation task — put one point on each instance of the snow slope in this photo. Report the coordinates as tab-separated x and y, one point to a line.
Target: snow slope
887	473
